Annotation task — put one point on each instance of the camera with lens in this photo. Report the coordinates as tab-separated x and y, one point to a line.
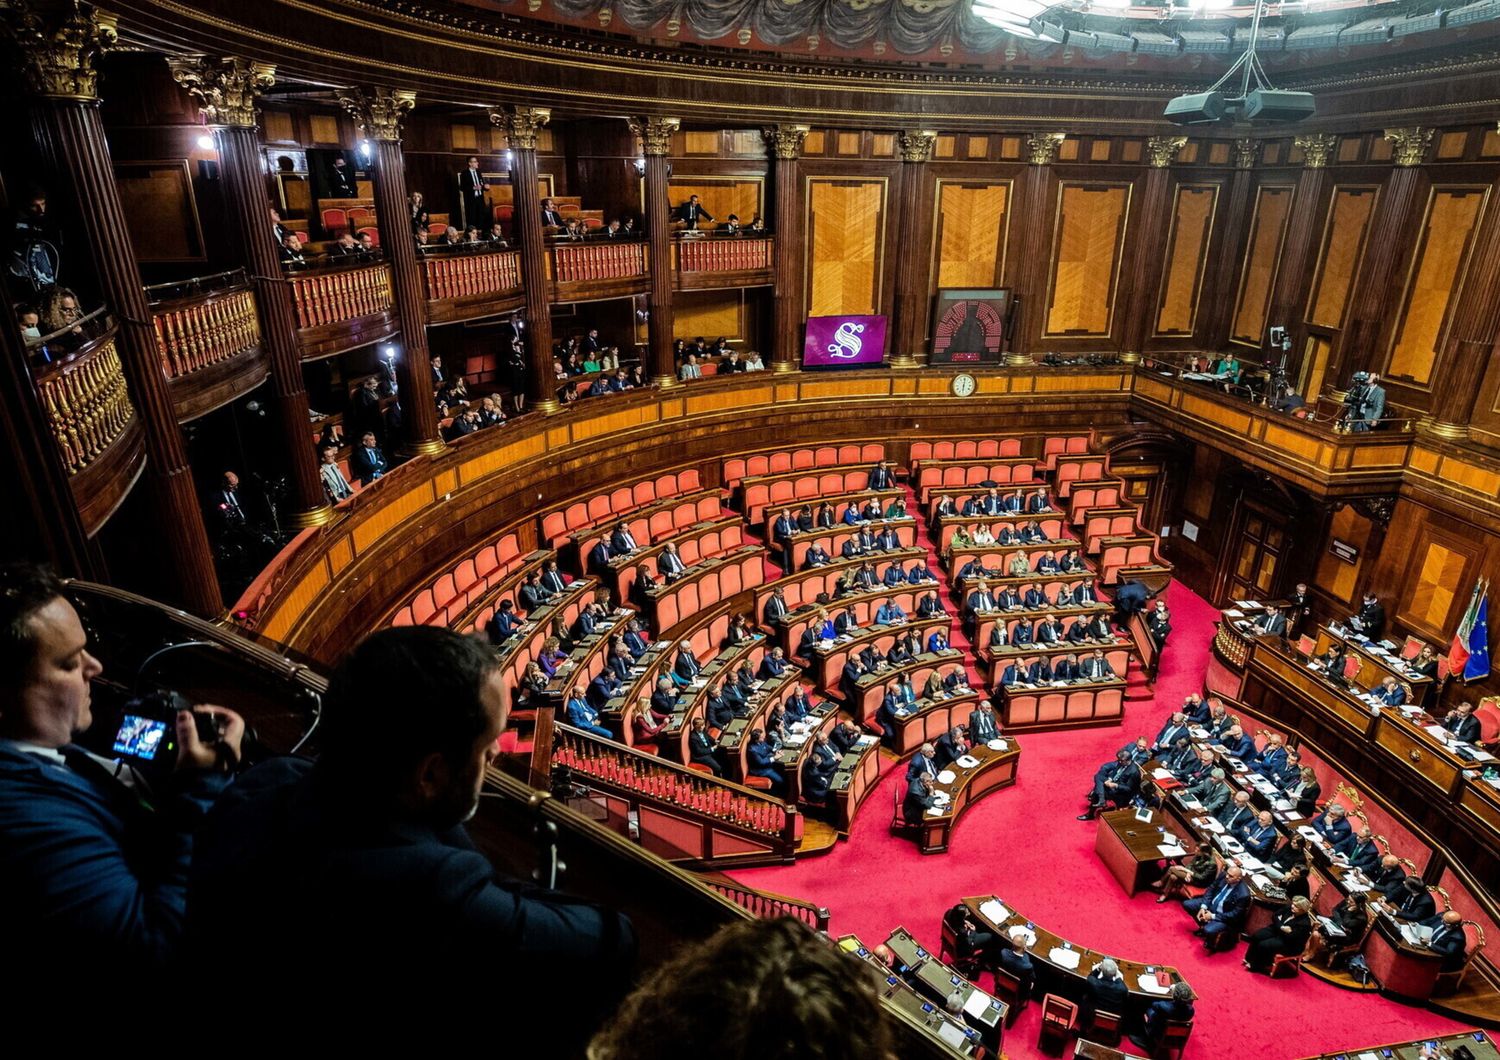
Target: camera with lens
147	735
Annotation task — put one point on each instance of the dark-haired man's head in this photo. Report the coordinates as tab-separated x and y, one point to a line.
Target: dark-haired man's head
45	665
413	715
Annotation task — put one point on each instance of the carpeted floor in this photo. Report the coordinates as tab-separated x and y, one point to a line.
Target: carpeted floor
1023	844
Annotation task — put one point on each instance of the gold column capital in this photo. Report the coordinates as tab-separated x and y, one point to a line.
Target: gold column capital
785	141
378	112
521	124
58	49
1317	149
1041	148
1246	151
1411	144
917	144
227	88
1161	151
654	134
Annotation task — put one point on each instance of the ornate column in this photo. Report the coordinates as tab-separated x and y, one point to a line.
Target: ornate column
655	136
1035	253
912	276
521	124
785	143
1370	308
58	62
227	90
1293	275
378	114
1223	271
1155	222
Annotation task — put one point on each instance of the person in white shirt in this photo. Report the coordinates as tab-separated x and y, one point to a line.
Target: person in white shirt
690	370
334	483
753	363
982	536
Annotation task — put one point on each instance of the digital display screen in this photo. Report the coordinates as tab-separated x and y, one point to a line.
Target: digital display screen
140	737
844	342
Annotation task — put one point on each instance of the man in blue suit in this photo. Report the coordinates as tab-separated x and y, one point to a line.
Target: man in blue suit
1333	825
760	759
923	763
1178	1008
308	858
1364	853
634	641
1260	835
1175	729
893	576
889	613
602	689
93	858
1222	909
1238	744
773	665
686	668
1114	782
1272	758
582	716
1448	939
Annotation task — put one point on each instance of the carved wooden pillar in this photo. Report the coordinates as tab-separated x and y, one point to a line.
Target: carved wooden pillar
1035	253
655	136
912	263
58	61
378	113
1293	275
1224	272
227	89
785	142
521	124
1359	345
1155	222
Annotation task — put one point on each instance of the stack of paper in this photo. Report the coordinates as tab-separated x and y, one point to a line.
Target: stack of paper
1149	984
952	1033
1161	774
1025	934
1065	958
1171	850
998	745
978	1003
966	762
947	776
995	911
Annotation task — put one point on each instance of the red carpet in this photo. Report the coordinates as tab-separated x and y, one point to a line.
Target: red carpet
1024	845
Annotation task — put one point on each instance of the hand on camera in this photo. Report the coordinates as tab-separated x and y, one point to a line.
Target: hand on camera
193	753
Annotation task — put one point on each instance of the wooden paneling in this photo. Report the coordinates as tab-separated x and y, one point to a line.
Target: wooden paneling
1437	275
1435	578
721	196
1273	208
845	244
970	233
1087	240
1343	247
709	313
1335	576
160	210
1187	252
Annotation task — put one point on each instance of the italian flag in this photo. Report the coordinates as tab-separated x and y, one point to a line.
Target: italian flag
1468	656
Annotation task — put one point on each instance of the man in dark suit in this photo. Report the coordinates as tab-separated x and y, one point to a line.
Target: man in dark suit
1462	723
1237	813
1174	729
983	725
1066	668
93	856
551	216
367	461
817	774
372	833
1105	991
919	799
622	542
775	609
701	747
1035	598
340	179
634	642
691	213
1015	960
1114	782
599	557
773	665
504	624
881	477
1222	909
1096	667
950	747
1271	624
471	188
530	596
1364	852
1333	825
1414	902
1048	631
845	736
1176	1008
670	564
552	580
760	760
1448	939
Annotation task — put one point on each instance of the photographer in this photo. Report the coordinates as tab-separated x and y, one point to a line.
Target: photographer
93	855
1364	404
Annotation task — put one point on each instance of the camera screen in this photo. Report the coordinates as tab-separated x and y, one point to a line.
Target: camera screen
140	737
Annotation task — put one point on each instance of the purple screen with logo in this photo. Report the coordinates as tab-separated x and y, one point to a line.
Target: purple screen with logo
844	342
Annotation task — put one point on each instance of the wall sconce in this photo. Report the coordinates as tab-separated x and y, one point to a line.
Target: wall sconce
640	167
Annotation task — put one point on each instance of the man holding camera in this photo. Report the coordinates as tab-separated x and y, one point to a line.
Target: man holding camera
1365	403
93	855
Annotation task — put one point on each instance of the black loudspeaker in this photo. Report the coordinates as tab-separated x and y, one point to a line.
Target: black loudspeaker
1188	110
1270	104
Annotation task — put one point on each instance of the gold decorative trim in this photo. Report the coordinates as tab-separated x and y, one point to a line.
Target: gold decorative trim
520	124
1162	150
654	135
227	89
785	141
1245	152
916	146
1411	144
319	516
378	113
57	56
1041	148
427	447
1317	149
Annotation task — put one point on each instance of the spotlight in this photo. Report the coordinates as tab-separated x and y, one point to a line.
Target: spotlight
205	142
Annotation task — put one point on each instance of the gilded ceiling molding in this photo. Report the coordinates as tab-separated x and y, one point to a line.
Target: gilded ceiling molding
57	54
1162	150
1246	151
227	89
521	124
1317	149
785	141
378	112
917	145
1411	144
654	134
1041	148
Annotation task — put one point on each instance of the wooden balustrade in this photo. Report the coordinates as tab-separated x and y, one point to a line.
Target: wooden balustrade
465	275
767	906
86	401
724	255
341	294
604	260
192	335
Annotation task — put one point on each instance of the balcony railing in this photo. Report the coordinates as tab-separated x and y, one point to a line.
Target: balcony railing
466	275
604	260
723	255
86	401
197	331
337	294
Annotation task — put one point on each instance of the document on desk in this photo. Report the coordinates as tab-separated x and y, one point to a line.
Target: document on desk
1149	984
978	1003
952	1033
947	776
1234	614
995	911
966	761
1064	958
1161	774
1171	850
998	745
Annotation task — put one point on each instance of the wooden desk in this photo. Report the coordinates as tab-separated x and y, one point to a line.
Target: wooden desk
833	542
1057	978
1404	971
1095	1051
938	981
902	1001
995	769
932	718
857	774
828	663
1375	667
1081	703
1481	1044
1130	848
